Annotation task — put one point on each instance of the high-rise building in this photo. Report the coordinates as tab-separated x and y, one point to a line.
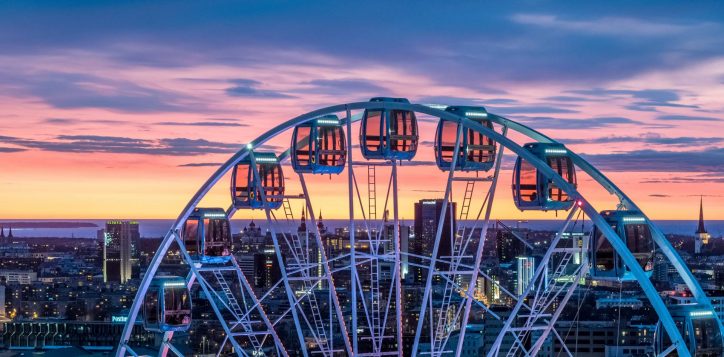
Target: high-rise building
427	218
508	246
266	269
702	236
405	234
120	237
526	270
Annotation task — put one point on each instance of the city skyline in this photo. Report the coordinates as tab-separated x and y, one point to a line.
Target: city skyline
128	120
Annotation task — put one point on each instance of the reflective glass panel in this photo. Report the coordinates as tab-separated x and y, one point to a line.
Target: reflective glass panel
528	184
191	234
402	130
331	146
302	146
641	244
480	147
564	167
241	186
706	335
447	140
372	130
605	254
150	306
177	305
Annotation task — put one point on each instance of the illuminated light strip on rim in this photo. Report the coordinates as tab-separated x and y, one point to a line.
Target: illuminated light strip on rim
476	114
436	106
634	219
215	215
328	121
267	159
556	151
174	284
704	313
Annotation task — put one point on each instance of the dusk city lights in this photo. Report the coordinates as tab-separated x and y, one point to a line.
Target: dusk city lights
330	178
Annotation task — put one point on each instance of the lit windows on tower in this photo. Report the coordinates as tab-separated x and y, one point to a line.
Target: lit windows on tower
526	270
118	247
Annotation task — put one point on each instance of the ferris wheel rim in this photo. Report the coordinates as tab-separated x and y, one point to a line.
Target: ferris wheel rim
599	177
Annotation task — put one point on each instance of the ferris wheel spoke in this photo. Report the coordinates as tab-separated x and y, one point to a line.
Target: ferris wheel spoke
277	248
377	301
433	256
483	274
327	276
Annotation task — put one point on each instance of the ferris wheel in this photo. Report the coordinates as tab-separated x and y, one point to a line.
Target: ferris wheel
363	291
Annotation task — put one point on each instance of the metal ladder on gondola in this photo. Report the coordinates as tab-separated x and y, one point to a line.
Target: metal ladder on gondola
541	303
287	210
372	191
467	199
236	309
464	212
301	256
375	298
443	327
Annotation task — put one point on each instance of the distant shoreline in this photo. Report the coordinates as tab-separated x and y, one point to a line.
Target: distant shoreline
25	224
154	228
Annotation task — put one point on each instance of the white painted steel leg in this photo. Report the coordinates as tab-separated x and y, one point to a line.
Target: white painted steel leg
398	266
280	258
481	246
327	272
353	258
436	247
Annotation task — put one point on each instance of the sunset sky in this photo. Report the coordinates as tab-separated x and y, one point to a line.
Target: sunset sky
123	110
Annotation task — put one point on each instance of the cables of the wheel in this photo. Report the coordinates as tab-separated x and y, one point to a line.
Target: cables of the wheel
575	319
618	322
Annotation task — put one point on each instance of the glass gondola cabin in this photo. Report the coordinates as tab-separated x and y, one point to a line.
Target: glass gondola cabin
167	305
634	230
318	146
532	190
263	191
476	152
697	325
207	235
389	134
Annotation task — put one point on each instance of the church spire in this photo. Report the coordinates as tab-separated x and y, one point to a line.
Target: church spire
320	224
701	228
10	232
2	231
303	224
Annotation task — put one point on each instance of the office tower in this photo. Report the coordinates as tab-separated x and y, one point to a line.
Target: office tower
526	270
117	250
266	269
702	236
427	218
508	246
405	234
